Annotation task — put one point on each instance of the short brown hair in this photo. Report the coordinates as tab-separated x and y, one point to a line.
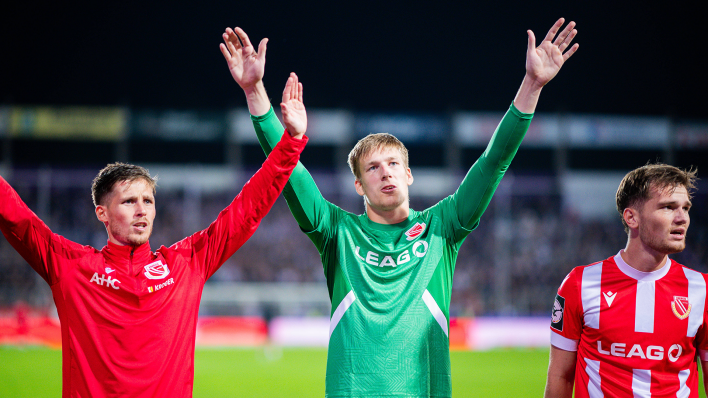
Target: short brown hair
636	186
118	172
371	143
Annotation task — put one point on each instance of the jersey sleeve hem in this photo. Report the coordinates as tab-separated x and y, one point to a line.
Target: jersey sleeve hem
264	116
563	343
517	112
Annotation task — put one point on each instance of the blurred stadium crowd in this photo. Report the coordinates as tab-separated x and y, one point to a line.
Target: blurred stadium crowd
511	264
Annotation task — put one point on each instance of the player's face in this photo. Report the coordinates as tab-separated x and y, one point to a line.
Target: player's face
663	220
384	179
129	213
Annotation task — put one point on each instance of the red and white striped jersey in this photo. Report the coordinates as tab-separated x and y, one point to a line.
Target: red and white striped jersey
636	333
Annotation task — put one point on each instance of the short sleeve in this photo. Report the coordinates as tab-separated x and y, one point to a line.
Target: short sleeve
567	314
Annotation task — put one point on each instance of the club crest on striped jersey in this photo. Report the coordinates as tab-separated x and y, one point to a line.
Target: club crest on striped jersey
681	307
156	270
415	231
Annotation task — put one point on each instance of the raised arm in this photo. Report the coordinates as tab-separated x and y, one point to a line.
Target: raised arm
239	221
32	239
542	64
247	67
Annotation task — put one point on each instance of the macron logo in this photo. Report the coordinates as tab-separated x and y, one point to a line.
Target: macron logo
609	297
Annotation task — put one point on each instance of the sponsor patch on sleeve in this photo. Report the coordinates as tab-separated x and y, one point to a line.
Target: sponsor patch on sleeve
557	313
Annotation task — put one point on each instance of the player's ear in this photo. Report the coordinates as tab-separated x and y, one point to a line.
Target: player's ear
631	217
358	187
409	174
101	214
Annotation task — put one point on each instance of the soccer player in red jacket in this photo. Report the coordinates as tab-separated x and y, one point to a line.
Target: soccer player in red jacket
128	315
634	324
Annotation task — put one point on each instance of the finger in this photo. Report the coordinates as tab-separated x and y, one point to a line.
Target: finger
551	33
224	51
233	38
568	40
286	91
231	43
225	38
570	52
293	87
532	40
299	93
262	49
564	34
229	35
244	37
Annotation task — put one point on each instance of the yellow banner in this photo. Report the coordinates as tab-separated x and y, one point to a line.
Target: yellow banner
94	123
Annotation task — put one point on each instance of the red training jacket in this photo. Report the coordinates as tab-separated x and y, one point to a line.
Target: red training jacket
128	316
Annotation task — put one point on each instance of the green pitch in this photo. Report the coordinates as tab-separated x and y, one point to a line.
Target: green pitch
289	372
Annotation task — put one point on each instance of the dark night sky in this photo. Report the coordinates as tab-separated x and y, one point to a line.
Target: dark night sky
431	56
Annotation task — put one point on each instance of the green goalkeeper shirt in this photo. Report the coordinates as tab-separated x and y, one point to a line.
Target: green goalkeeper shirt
390	285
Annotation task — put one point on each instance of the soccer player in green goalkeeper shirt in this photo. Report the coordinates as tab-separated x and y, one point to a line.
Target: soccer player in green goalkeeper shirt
389	270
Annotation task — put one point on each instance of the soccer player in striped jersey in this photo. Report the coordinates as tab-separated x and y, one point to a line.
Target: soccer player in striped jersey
389	270
632	325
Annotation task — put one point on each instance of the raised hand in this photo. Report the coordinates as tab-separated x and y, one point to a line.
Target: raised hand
246	66
293	109
544	62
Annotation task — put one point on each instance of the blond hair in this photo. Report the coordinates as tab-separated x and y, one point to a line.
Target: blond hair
369	144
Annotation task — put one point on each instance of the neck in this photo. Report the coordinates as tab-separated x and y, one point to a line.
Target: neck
641	257
126	244
399	214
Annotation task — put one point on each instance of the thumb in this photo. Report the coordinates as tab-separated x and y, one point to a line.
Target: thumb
532	40
262	49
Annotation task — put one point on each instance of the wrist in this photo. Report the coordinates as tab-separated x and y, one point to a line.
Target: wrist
254	90
293	135
533	83
527	96
257	99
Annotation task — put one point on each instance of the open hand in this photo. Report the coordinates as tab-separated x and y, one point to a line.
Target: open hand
544	62
246	66
293	109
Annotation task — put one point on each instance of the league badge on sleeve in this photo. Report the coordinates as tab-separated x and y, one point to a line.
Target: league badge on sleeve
557	313
681	307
